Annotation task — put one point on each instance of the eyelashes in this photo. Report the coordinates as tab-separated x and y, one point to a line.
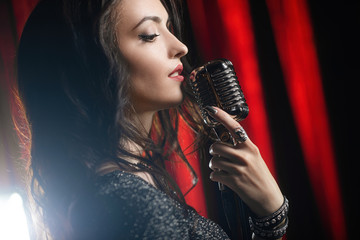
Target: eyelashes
152	37
148	37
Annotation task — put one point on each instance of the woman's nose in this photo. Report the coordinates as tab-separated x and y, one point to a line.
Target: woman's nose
178	49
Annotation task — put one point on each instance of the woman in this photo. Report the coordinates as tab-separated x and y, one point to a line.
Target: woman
102	85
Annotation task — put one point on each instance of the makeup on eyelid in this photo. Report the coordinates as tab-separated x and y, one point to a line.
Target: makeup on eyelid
148	37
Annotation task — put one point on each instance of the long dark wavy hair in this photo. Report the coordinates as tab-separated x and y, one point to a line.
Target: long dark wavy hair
74	109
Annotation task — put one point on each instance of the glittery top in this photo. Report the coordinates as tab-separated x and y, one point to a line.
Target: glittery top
128	207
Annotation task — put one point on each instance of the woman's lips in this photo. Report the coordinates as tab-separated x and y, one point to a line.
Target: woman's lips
176	73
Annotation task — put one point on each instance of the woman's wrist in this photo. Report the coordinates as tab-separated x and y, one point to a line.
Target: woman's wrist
273	226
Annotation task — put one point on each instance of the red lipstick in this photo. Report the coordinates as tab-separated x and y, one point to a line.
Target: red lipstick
176	73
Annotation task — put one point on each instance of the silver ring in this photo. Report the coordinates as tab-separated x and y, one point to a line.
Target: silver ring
240	134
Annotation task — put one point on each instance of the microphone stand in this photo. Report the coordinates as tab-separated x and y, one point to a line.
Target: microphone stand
236	211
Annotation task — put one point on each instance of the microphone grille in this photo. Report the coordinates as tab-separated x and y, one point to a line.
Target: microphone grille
216	84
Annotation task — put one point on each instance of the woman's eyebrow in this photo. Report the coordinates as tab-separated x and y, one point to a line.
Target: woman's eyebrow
147	18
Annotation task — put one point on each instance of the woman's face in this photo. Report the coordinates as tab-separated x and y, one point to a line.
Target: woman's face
153	54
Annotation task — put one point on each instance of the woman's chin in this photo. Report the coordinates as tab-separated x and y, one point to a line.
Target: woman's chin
173	103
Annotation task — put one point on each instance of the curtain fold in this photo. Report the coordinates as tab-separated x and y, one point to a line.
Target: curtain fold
230	33
182	175
295	43
232	38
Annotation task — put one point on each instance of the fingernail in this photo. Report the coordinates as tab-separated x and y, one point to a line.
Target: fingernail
211	110
211	151
211	176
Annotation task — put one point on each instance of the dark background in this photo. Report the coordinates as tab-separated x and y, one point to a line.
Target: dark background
336	26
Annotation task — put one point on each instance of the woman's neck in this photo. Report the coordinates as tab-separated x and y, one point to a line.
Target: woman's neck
143	121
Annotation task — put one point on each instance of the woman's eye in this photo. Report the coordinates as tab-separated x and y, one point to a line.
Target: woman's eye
148	37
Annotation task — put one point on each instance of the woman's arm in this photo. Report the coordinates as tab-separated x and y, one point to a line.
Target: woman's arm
242	169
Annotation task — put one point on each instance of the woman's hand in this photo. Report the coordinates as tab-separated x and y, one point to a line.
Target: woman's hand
242	169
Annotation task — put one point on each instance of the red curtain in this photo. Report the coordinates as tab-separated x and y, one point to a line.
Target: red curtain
296	48
182	175
224	28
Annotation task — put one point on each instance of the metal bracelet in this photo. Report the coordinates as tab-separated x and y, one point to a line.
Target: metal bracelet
273	226
269	234
273	220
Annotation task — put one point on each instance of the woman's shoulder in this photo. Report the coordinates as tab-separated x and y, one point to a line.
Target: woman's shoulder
118	181
137	194
126	205
131	192
157	210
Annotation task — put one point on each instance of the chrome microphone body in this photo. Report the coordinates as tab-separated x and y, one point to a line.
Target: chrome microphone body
216	84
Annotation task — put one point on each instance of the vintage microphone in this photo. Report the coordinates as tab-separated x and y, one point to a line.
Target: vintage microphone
215	84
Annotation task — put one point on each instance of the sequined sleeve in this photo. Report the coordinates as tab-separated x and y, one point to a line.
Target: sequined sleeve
127	207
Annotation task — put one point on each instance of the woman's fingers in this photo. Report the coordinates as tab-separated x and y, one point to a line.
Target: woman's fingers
221	177
222	164
235	129
225	172
223	149
235	154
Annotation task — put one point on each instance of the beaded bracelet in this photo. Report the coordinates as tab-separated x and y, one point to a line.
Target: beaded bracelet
272	234
269	227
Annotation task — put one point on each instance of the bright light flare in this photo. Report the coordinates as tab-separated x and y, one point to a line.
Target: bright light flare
13	223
